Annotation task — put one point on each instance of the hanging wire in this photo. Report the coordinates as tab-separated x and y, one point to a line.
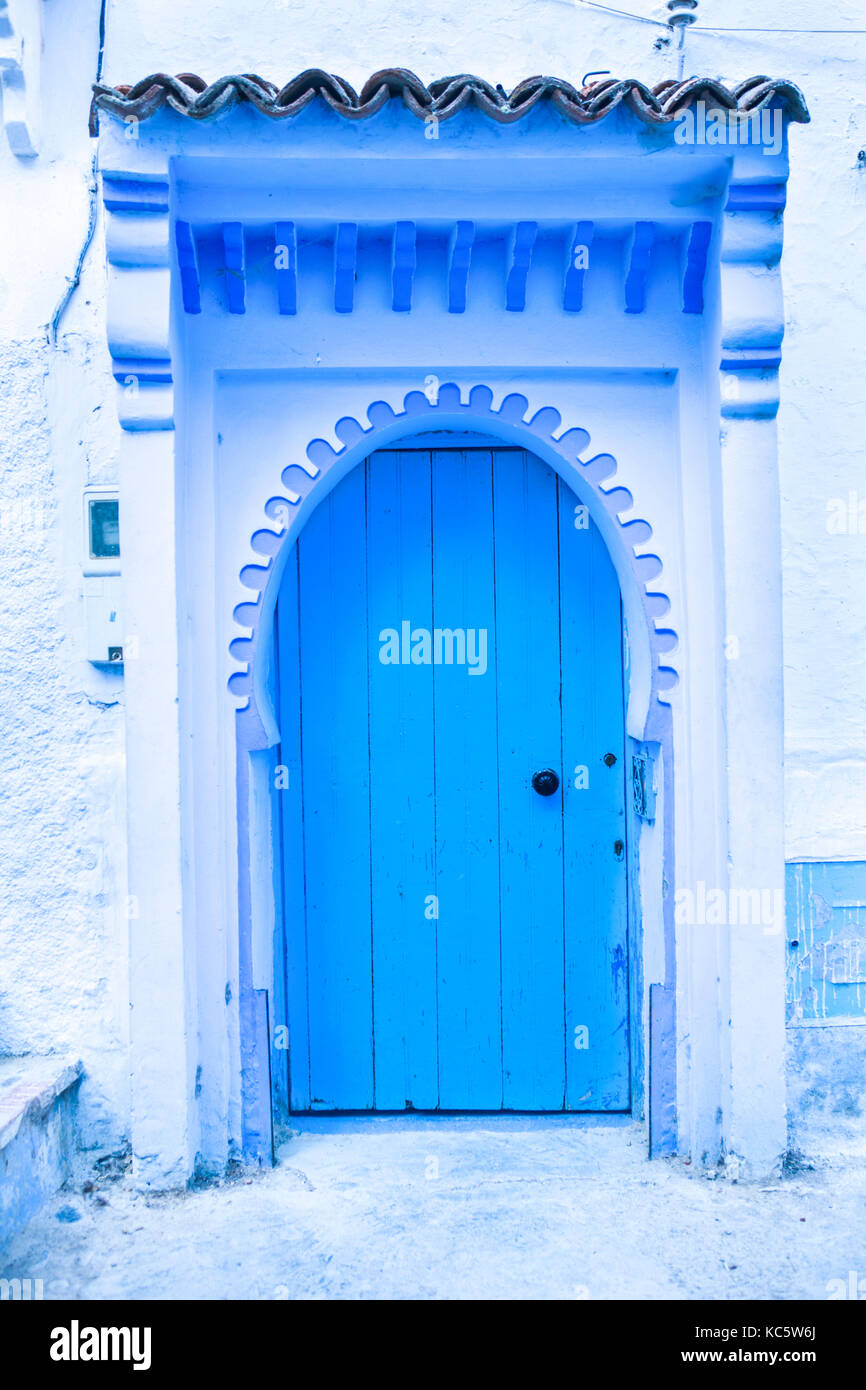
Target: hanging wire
708	28
715	29
626	14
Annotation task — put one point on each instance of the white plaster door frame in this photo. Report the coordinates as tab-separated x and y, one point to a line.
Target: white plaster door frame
752	331
162	994
735	1072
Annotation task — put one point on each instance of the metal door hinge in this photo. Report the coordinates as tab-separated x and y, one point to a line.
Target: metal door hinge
643	781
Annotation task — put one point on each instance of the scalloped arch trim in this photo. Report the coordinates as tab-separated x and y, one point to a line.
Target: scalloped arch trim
635	533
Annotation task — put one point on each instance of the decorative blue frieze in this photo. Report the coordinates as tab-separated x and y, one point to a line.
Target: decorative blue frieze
519	259
638	267
235	274
459	260
345	260
403	265
227	260
576	267
286	266
696	267
187	264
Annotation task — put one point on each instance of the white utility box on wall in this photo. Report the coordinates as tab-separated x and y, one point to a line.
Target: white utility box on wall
101	570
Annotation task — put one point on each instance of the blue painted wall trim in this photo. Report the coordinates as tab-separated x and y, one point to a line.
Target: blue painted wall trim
256	1138
135	194
756	197
662	1068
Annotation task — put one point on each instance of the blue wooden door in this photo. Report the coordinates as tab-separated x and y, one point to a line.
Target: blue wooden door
456	934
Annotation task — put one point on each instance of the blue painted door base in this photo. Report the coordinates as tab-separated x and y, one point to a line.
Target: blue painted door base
456	935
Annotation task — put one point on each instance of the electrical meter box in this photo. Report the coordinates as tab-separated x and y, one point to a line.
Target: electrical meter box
101	570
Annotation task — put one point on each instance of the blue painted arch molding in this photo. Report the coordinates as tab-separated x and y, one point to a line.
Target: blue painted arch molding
594	481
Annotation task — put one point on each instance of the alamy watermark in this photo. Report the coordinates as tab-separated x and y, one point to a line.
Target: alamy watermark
731	907
853	1288
21	1290
716	125
77	1343
846	516
441	646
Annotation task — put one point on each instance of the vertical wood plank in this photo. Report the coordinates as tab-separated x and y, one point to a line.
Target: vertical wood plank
596	947
401	784
467	816
530	738
334	725
289	799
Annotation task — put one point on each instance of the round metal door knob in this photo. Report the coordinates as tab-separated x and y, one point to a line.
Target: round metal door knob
545	782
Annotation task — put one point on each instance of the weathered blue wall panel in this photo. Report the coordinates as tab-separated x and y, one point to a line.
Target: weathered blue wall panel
826	1056
826	916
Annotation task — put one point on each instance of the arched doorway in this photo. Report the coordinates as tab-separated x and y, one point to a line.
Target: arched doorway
450	671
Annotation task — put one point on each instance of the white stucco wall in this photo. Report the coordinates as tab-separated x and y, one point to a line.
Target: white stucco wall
62	910
63	955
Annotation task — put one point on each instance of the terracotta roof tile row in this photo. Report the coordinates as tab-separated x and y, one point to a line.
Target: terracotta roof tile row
443	98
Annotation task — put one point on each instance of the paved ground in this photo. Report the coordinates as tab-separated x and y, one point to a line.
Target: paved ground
399	1209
